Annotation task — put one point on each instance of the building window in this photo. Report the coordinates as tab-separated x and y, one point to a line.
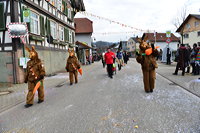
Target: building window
188	26
69	13
61	33
53	29
198	33
196	23
186	35
59	5
34	24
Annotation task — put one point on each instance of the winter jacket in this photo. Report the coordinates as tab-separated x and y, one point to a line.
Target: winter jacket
148	62
119	55
72	64
109	57
198	56
183	57
35	71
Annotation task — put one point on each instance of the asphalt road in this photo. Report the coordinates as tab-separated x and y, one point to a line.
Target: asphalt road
98	104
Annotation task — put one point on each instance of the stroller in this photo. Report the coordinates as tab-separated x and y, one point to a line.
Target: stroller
114	68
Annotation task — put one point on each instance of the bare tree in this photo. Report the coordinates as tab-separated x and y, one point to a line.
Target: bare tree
181	16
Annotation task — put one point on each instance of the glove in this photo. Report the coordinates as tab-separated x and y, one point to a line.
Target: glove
78	67
152	46
137	53
41	77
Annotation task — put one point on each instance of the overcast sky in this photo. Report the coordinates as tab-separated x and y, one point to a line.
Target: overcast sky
142	14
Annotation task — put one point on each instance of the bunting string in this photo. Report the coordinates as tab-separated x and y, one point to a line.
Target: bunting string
115	22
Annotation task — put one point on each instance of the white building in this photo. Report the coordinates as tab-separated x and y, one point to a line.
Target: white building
83	33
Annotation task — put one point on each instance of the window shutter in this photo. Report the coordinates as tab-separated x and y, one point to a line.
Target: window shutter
65	34
2	17
68	35
73	37
42	29
47	26
66	10
72	14
63	6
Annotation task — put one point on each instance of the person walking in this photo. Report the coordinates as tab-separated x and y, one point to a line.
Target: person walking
119	59
35	73
148	64
193	57
103	59
72	67
188	55
181	62
197	63
168	56
126	57
109	58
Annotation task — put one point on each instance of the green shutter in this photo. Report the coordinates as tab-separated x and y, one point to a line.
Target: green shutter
65	34
72	14
68	35
64	6
2	17
42	27
47	26
73	37
66	10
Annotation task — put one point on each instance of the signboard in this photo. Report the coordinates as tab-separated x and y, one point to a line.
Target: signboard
23	61
17	30
26	15
168	33
168	40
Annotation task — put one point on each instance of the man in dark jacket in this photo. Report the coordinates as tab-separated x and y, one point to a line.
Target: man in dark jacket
181	64
119	57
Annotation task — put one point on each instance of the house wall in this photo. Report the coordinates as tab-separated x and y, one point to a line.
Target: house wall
86	38
193	38
54	61
191	21
192	31
131	45
172	45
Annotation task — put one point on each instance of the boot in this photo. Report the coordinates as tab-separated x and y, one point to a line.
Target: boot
40	101
28	105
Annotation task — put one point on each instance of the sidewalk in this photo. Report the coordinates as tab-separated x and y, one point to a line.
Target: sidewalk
188	82
19	91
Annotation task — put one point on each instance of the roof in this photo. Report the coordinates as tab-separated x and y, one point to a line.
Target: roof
160	37
186	20
83	25
82	45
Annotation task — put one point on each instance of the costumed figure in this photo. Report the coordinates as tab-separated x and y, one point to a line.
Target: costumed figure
34	76
72	67
146	57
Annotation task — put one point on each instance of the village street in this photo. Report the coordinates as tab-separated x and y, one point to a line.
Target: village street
98	104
